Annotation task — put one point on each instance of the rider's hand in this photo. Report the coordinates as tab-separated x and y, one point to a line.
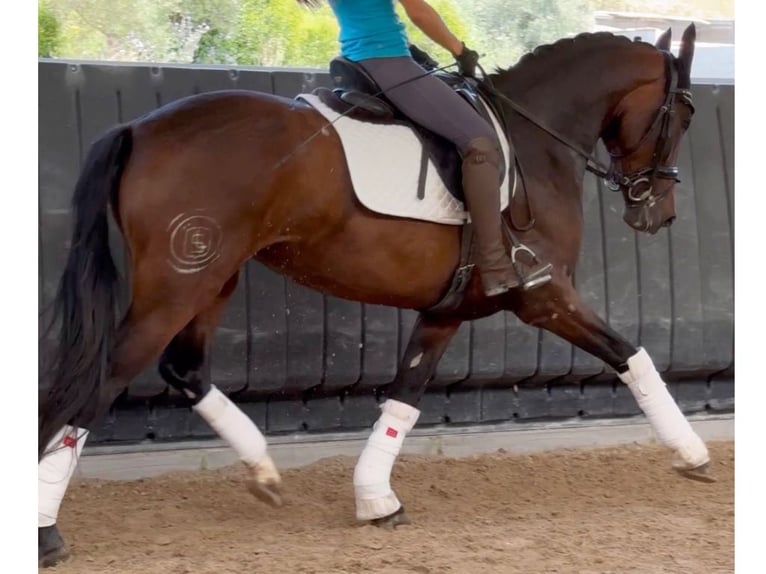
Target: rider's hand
466	61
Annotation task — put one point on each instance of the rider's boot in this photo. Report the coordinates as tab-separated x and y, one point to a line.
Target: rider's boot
481	184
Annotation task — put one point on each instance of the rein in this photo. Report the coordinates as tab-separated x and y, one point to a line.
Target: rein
618	181
593	165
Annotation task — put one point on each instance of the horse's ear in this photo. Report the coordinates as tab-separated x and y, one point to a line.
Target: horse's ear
686	53
663	42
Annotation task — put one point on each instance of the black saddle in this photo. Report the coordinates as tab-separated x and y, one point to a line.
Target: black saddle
356	95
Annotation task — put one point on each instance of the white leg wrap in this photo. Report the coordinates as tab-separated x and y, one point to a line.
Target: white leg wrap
233	426
668	422
372	475
55	470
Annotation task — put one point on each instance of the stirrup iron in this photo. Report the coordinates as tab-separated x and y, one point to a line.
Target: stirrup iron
537	277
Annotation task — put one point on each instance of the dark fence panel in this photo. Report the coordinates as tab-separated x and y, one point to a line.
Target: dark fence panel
297	360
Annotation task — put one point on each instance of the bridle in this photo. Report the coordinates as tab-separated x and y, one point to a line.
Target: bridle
617	181
614	178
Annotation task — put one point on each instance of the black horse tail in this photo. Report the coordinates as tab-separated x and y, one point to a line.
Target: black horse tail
86	301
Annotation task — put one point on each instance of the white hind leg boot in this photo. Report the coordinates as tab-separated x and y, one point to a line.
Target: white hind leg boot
372	475
55	470
242	434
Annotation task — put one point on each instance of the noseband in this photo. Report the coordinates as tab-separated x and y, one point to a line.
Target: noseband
617	181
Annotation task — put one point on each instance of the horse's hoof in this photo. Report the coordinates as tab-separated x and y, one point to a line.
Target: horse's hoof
268	492
392	521
51	548
701	473
52	557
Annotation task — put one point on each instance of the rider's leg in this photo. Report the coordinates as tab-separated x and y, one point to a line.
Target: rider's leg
434	105
480	167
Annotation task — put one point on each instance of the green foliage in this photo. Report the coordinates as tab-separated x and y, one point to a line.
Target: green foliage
47	32
193	20
116	30
282	33
506	29
272	33
137	30
306	37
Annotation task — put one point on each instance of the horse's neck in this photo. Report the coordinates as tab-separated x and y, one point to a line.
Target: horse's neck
579	99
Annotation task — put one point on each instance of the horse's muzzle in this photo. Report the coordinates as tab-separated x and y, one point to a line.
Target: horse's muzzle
647	219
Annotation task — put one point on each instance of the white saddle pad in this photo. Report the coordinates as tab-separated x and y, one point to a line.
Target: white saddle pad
384	163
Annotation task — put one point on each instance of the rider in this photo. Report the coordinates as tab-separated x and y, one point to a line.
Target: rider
372	35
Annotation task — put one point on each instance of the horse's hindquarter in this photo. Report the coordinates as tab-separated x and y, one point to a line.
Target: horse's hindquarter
209	154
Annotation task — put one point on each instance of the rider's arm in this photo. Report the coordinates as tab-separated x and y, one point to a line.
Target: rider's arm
432	25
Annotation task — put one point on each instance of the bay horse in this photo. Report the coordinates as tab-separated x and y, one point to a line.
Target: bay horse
213	168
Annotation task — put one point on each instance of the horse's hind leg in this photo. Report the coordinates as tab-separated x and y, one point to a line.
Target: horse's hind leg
558	308
150	324
375	500
146	329
182	364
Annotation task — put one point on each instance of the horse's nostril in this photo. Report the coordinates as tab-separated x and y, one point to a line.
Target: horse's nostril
669	221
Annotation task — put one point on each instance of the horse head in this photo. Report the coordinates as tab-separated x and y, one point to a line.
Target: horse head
644	139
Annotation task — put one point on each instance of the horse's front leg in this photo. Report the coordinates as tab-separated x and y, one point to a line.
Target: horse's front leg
375	500
558	308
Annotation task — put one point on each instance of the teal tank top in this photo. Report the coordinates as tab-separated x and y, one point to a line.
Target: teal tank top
369	29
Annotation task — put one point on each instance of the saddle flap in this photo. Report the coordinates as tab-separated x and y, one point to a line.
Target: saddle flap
370	103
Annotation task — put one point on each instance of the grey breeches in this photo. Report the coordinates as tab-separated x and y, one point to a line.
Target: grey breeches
428	101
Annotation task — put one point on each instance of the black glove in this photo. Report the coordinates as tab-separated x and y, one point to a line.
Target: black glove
466	62
423	58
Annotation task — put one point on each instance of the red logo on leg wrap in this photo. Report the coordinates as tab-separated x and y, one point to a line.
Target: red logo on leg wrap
392	432
70	441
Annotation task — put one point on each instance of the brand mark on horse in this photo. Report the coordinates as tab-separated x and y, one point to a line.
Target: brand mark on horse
195	241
